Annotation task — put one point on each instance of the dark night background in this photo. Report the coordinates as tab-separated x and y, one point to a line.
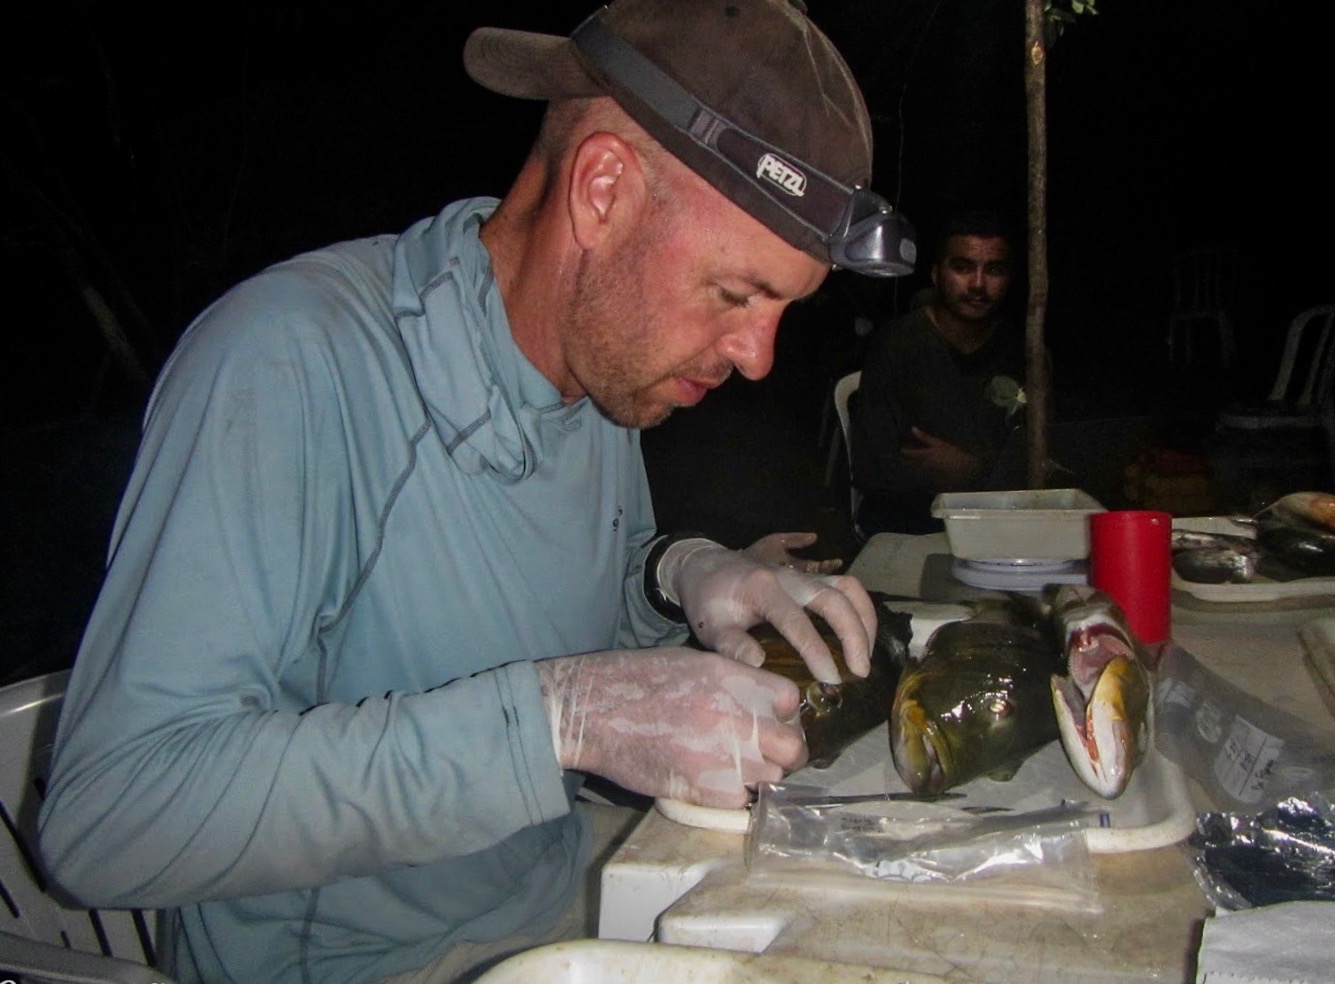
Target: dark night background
152	156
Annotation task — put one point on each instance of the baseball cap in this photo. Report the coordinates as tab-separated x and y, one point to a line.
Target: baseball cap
749	94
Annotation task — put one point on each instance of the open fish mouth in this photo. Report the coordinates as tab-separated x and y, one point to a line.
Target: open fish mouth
1105	735
1103	704
919	750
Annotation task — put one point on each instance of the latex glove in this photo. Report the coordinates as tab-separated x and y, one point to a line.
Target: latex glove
673	722
774	550
724	592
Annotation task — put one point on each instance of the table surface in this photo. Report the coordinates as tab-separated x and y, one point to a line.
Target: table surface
687	885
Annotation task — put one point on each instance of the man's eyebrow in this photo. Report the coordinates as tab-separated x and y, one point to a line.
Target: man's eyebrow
763	286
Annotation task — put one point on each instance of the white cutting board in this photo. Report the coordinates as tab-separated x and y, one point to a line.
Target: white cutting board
1155	809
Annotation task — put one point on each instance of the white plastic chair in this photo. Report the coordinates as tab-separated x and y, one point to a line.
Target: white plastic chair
45	939
843	392
1202	280
1312	328
863	326
1302	387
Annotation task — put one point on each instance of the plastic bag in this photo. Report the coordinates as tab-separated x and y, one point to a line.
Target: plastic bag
1031	857
1283	854
1241	750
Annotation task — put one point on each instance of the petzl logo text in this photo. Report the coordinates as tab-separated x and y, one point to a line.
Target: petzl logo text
783	174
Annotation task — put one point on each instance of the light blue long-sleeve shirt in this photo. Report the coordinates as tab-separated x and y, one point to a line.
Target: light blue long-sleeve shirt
304	713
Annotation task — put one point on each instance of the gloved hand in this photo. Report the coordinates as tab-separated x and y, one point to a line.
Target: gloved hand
724	593
774	550
673	722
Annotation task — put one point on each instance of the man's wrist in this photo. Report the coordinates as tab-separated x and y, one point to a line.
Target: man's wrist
661	598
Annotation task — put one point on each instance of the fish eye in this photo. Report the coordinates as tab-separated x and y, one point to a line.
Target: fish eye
822	698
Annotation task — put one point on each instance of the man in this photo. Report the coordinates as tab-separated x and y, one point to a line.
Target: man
942	388
385	581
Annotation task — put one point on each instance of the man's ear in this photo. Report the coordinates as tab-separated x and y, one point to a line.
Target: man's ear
607	191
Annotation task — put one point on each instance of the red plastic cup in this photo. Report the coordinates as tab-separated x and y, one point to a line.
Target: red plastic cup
1131	559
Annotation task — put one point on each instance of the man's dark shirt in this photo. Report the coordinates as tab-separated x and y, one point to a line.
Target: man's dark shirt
912	377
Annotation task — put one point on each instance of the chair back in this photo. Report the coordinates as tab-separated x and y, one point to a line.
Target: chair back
1202	285
843	392
30	907
1302	389
1310	338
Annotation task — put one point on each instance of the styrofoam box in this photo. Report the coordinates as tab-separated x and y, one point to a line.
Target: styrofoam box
1027	524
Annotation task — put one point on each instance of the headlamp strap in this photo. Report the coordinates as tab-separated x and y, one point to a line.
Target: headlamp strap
815	199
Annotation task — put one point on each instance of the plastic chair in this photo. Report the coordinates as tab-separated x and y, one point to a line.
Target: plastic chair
45	938
1287	442
843	392
863	326
1202	280
1302	386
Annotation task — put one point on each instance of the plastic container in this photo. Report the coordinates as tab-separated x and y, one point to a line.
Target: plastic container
1131	559
1028	524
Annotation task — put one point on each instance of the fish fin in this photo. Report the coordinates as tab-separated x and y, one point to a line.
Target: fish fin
894	632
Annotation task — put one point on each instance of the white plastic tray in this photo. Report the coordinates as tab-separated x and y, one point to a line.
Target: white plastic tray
619	962
1155	809
1261	590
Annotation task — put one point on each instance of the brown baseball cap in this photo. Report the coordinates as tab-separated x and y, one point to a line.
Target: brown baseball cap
749	94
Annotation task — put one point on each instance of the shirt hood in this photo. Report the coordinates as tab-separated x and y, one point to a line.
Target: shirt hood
483	396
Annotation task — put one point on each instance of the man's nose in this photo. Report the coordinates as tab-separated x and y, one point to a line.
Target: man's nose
751	348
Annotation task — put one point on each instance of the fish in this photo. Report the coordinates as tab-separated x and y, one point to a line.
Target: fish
1292	538
1296	533
1312	509
1291	552
1217	564
1103	702
977	702
1214	558
834	716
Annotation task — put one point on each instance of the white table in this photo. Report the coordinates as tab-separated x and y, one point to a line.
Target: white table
685	885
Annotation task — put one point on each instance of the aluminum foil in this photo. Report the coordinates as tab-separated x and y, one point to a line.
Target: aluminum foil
1283	854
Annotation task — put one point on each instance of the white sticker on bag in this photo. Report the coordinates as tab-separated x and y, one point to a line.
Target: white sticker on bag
1245	759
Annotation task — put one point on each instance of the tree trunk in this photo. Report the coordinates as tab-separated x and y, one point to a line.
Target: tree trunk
1036	368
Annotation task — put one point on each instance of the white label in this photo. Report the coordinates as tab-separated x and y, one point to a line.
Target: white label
780	172
1245	760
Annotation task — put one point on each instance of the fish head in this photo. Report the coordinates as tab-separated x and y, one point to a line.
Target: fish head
833	716
950	727
921	757
1103	703
1106	733
1313	509
1094	630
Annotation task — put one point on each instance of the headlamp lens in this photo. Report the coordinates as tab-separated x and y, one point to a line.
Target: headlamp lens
872	239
